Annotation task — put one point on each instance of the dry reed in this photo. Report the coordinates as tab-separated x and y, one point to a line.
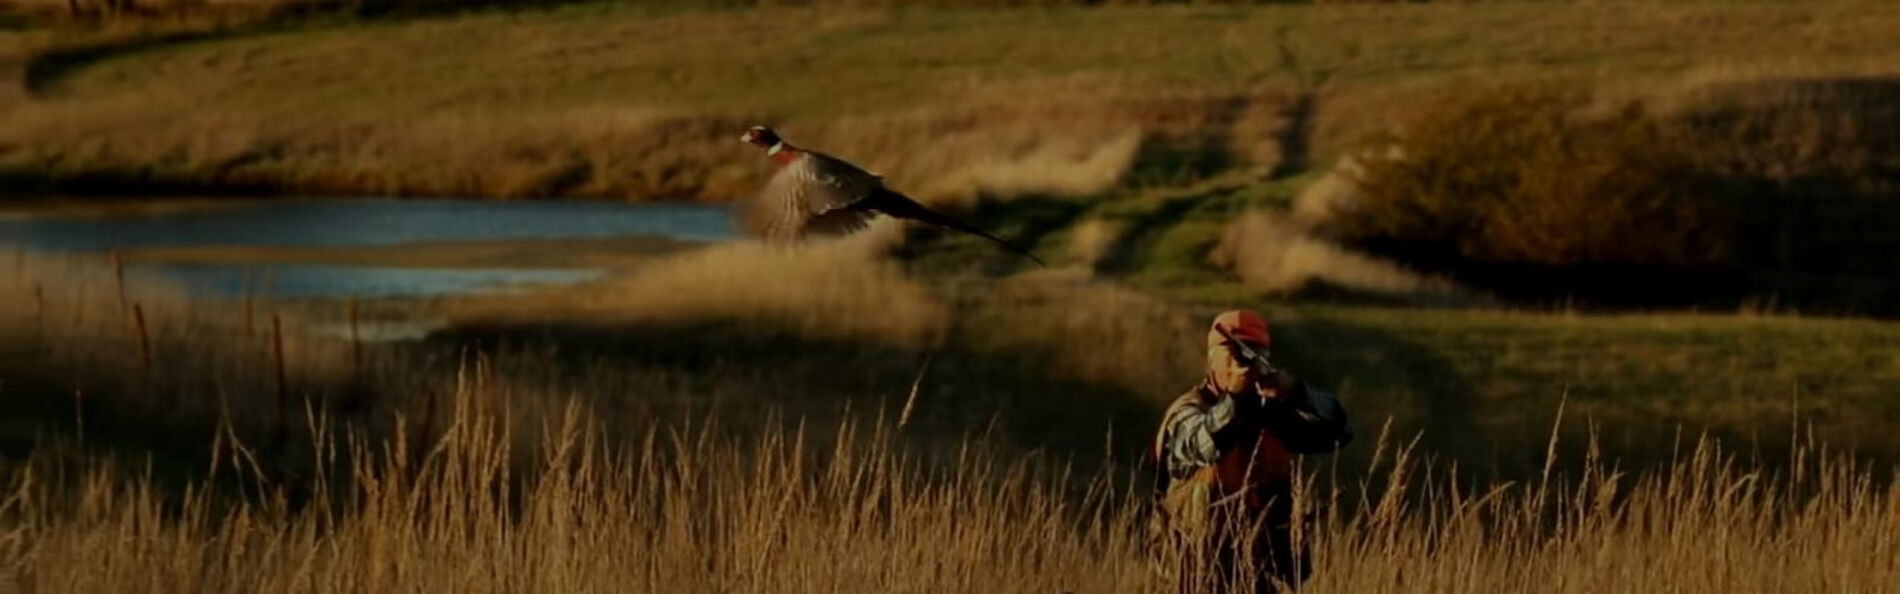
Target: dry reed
826	288
509	475
1093	241
1274	255
788	512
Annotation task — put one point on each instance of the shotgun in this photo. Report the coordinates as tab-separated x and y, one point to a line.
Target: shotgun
1263	369
1322	425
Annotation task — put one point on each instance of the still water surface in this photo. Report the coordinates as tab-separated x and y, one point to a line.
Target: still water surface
366	222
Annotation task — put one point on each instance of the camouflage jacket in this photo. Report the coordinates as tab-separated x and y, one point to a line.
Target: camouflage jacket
1186	451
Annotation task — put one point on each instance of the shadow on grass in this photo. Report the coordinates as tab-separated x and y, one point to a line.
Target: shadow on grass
1028	221
1381	376
45	70
1490	406
748	375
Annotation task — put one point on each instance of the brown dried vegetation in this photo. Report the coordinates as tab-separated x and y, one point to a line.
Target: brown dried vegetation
499	475
1716	190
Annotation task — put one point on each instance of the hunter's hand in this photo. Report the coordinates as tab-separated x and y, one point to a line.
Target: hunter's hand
1271	386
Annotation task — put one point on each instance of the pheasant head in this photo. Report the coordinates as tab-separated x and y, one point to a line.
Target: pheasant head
761	137
775	147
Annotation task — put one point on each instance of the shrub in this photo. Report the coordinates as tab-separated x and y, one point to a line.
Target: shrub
1721	193
1514	176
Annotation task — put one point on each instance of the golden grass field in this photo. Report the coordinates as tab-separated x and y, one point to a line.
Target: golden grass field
613	438
889	412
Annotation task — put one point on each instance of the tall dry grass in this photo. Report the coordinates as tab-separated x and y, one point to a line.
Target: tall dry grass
1048	362
85	326
838	289
657	469
1272	254
786	512
92	347
743	328
1093	241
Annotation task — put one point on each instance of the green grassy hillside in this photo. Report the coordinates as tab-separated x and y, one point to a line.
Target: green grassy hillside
611	101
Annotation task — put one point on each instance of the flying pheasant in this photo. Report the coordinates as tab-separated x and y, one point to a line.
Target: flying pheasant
816	193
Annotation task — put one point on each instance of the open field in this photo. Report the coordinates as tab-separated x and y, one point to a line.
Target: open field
1143	132
797	514
1044	362
909	411
611	101
621	438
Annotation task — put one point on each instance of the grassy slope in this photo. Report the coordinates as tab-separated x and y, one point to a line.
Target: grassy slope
1029	110
826	64
1498	377
391	106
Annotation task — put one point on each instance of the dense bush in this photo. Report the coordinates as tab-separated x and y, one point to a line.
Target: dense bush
1515	177
1716	194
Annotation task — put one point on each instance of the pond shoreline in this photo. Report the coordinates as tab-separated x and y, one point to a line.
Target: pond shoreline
381	247
602	253
143	199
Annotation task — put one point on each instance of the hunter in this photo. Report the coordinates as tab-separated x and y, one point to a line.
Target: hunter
1224	462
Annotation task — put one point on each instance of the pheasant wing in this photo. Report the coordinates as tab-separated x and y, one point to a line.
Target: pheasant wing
843	221
814	194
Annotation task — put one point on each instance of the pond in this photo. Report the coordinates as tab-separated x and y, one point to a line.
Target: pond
394	225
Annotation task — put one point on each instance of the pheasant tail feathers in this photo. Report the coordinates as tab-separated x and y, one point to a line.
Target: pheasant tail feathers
900	206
